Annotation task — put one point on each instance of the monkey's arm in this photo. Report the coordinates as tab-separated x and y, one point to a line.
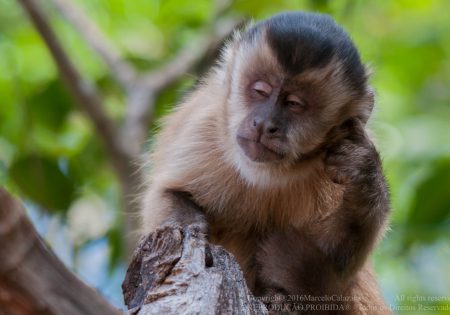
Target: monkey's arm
184	211
350	233
174	208
322	262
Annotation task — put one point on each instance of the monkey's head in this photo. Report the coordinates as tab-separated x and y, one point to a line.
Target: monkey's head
293	78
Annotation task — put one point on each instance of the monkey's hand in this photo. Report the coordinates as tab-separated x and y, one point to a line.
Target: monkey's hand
184	212
354	163
353	159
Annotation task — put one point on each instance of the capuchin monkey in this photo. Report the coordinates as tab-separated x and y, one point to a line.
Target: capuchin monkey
269	157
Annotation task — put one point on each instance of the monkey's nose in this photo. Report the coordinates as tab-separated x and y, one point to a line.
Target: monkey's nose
267	128
272	129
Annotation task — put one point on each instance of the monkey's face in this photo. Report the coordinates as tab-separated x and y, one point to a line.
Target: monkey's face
288	93
281	118
285	118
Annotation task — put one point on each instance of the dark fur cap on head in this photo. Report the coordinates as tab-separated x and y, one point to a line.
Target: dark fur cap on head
303	40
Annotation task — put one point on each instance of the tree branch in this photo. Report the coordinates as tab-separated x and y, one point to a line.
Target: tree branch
142	90
142	94
83	92
191	55
123	72
32	279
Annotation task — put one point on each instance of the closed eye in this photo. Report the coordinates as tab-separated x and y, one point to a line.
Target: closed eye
262	88
296	103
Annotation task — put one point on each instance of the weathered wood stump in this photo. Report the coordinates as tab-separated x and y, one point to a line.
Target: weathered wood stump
175	271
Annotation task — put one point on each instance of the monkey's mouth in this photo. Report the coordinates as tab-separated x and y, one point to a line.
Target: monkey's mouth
258	152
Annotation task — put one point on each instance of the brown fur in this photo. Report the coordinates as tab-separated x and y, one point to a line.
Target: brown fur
296	214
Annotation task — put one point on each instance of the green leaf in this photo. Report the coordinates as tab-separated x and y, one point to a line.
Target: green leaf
50	105
41	180
432	205
90	166
429	217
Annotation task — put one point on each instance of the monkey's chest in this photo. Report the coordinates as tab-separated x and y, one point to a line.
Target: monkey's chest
262	211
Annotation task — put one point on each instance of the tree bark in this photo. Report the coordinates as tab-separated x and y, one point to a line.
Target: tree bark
33	280
175	271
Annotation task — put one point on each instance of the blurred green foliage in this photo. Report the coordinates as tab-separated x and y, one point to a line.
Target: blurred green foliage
50	155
